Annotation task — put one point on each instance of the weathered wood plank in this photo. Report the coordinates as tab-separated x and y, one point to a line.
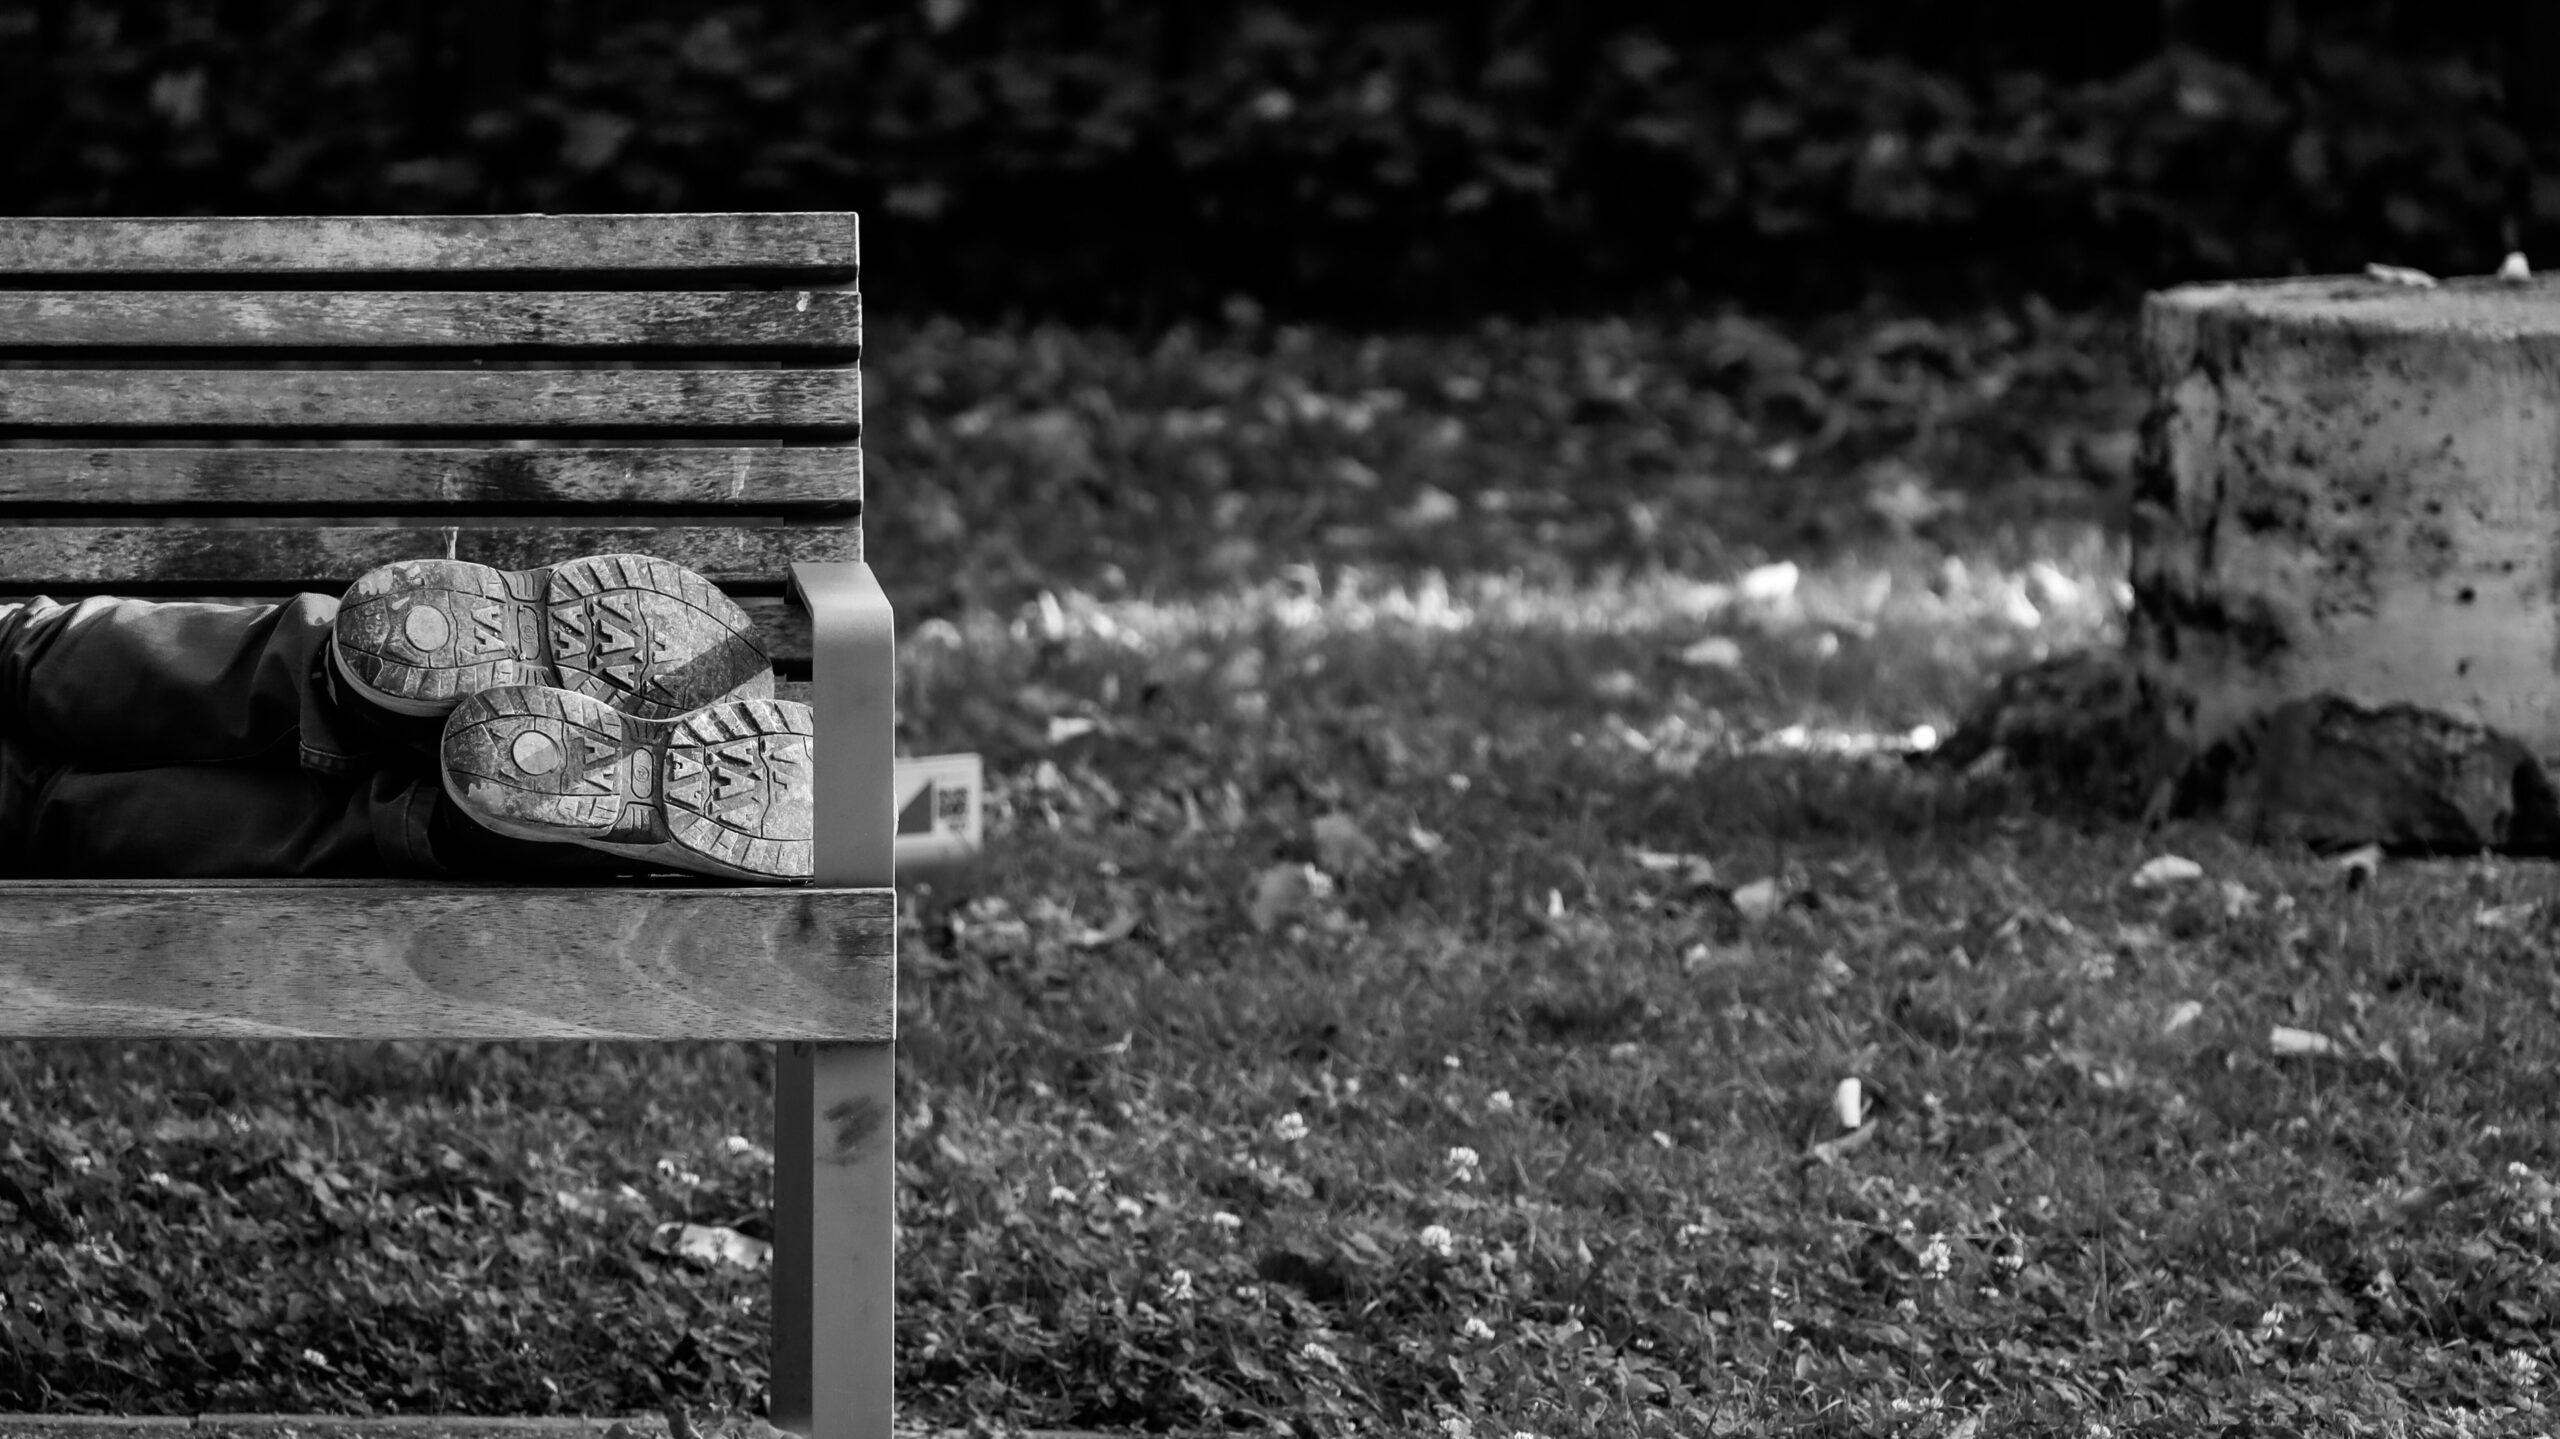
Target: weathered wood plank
826	480
290	959
816	246
724	322
767	403
104	558
321	1426
389	1426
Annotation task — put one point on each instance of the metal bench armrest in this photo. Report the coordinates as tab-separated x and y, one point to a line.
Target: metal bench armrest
853	690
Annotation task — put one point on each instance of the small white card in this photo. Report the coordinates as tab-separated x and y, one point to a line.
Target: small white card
942	809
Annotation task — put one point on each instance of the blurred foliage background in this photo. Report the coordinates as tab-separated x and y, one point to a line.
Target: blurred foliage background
1372	160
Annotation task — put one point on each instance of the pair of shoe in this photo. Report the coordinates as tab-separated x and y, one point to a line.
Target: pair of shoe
617	702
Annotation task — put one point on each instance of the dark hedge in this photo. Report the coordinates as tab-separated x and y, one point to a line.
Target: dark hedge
1140	158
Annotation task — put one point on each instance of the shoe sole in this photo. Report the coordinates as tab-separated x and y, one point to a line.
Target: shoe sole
726	790
642	634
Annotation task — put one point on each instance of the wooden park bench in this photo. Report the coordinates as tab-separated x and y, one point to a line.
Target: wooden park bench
255	407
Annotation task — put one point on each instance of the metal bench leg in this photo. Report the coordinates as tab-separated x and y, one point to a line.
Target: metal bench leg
835	1105
835	1163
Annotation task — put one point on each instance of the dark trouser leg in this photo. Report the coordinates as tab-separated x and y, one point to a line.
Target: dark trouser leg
207	741
258	821
221	821
133	684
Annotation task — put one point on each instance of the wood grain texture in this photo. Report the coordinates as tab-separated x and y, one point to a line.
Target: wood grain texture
390	1426
766	403
817	246
826	481
642	323
299	959
105	558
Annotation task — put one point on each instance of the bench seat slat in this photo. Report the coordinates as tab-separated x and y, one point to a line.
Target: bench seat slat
104	558
767	403
378	960
638	324
826	480
819	247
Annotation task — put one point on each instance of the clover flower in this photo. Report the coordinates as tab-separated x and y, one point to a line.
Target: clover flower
1061	1194
1936	1258
1499	1102
2271	1323
1438	1239
1225	1222
1177	1285
1476	1329
1463	1162
1290	1127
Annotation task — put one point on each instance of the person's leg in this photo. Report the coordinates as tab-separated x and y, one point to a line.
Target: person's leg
128	684
257	821
222	821
215	740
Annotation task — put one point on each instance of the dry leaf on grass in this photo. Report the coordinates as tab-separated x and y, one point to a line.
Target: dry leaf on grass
1759	899
2401	275
1849	1103
1771	584
1715	652
2299	1043
712	1244
2507	916
1693	870
1119	927
2167	869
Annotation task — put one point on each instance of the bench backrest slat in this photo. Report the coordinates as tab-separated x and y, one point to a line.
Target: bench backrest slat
383	403
249	407
818	248
808	323
803	481
79	557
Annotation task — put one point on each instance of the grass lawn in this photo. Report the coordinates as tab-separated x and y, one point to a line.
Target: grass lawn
1453	837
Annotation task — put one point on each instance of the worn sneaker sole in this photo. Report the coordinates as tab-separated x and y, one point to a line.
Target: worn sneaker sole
644	635
725	790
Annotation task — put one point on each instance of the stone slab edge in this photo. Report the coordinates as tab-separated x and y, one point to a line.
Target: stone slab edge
387	1427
